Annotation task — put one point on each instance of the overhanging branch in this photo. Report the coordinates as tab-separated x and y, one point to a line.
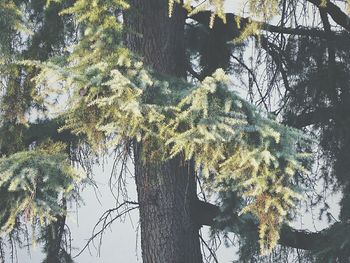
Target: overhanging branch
203	18
205	213
341	18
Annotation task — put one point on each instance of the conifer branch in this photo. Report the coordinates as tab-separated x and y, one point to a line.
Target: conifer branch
289	237
203	18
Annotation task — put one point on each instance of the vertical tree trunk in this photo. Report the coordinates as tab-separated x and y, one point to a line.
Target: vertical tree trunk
166	191
156	37
54	238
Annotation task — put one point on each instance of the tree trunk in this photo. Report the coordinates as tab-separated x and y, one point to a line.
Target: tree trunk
166	190
166	194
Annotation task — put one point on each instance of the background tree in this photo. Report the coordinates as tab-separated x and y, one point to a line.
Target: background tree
141	78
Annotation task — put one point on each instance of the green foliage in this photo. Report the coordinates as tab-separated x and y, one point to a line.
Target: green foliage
237	149
266	9
117	100
235	146
225	136
10	22
32	186
30	30
102	31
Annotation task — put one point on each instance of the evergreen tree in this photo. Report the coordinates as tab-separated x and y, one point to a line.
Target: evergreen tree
151	81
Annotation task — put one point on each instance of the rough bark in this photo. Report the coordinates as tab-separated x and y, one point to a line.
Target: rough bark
166	193
156	37
166	190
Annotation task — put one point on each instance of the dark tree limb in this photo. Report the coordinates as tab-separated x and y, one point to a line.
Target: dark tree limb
203	18
301	239
289	237
40	131
341	18
204	213
331	56
313	117
193	72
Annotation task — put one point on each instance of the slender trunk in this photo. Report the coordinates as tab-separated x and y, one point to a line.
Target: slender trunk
166	190
54	238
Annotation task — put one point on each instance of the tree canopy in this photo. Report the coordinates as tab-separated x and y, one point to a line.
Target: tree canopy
250	154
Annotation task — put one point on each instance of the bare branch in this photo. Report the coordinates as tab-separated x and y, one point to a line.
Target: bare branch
254	80
106	223
211	251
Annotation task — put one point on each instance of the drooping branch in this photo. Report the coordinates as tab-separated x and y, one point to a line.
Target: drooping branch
106	220
210	249
289	237
254	80
275	54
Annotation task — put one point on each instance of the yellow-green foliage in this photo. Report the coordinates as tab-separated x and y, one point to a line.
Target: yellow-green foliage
265	9
32	185
225	136
116	100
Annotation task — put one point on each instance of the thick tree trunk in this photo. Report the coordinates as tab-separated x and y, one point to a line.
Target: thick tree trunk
166	191
156	37
166	194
